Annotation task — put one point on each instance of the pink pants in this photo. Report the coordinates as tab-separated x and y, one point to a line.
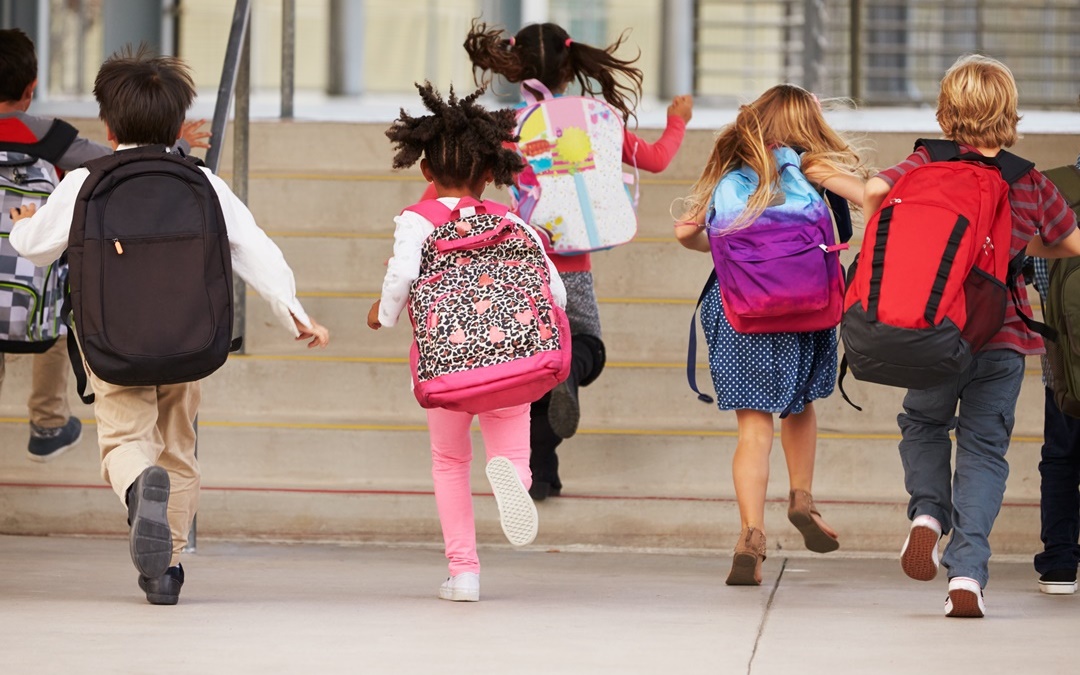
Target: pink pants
506	434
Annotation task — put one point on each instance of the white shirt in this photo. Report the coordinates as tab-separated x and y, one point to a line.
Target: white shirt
403	269
43	238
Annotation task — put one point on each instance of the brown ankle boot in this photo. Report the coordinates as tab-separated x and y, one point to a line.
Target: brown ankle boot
746	563
801	512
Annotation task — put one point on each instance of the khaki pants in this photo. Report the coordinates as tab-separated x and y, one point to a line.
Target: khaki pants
139	427
48	402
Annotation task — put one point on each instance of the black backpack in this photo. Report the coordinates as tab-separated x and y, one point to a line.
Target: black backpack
150	270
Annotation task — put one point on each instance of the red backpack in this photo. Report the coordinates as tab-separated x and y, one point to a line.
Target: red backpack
933	275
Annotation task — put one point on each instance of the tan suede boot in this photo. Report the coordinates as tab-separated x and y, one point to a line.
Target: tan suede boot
801	512
746	563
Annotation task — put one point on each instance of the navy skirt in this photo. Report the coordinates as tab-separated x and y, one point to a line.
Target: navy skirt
766	371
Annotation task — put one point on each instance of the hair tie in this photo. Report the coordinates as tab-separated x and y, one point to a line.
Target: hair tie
512	41
568	42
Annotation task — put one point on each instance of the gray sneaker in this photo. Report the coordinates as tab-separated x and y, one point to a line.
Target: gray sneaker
48	443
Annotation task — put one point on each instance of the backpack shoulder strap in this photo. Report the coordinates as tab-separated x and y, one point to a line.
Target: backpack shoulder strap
691	355
50	147
432	210
940	150
1012	167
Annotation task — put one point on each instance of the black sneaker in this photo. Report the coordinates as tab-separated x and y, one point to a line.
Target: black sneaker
541	490
165	589
50	442
1058	582
148	506
563	410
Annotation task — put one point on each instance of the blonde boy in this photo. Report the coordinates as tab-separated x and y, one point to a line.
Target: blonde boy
977	108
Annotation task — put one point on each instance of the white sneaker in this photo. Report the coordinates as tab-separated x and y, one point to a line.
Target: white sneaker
517	512
919	557
464	587
965	599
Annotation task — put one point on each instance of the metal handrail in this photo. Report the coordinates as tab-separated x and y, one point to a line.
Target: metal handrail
235	74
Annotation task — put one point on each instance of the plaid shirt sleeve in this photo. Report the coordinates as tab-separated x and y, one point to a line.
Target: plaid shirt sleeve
917	158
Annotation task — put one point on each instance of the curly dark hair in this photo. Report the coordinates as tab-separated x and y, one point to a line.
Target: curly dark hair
460	139
545	52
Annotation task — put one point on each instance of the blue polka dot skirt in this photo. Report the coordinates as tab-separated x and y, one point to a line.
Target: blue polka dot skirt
765	371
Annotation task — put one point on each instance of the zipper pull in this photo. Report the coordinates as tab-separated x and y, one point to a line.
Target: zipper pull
895	200
988	246
118	247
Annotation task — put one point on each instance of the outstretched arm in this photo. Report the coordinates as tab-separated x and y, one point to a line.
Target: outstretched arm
850	188
874	194
655	157
690	231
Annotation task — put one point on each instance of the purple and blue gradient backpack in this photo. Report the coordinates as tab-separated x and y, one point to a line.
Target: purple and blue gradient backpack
781	273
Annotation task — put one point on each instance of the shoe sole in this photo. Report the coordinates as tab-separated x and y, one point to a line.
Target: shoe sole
459	596
517	512
150	538
965	605
158	599
564	413
41	459
815	538
743	569
1057	587
917	560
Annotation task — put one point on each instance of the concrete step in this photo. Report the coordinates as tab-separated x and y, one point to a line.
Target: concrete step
623	398
644	268
367	203
634	329
629	396
270	483
346	456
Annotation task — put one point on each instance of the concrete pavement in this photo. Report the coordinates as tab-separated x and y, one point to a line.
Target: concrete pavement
72	606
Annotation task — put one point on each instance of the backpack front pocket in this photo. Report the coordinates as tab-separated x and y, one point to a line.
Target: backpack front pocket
144	301
772	272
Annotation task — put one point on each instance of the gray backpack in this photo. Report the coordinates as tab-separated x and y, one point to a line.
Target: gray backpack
30	296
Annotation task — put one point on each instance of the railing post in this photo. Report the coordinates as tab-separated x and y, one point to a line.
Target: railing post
678	44
813	45
237	33
288	57
856	46
235	72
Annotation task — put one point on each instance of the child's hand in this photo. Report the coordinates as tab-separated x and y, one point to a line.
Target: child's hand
20	212
319	336
373	316
682	106
194	135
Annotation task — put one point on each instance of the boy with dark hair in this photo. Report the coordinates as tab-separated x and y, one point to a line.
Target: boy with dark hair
146	433
977	109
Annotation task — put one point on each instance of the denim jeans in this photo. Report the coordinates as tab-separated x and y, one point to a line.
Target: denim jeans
1060	471
967	502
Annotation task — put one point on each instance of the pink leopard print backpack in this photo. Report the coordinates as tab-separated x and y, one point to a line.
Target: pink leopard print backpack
487	333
